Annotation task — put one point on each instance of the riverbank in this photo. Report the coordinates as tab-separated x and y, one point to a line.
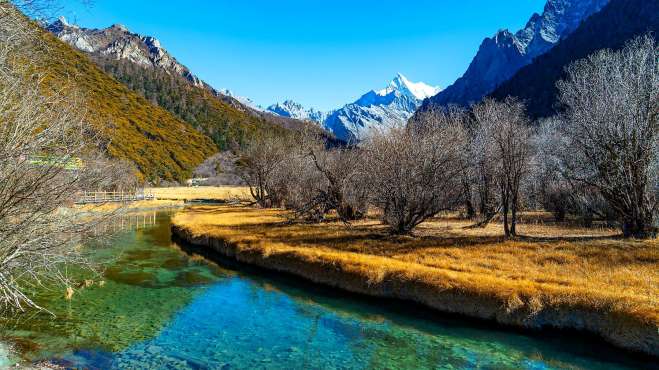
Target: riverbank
171	198
553	277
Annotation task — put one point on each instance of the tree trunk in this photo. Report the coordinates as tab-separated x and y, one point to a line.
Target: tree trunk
639	228
505	205
513	216
469	205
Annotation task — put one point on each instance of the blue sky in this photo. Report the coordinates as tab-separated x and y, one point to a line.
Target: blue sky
322	54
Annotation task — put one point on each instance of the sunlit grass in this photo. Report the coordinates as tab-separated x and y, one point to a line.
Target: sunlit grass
549	266
223	193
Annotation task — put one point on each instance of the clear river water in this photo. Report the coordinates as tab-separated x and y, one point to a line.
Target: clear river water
165	307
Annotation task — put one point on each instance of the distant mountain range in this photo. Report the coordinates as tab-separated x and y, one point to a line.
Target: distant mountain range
292	109
502	55
387	107
526	64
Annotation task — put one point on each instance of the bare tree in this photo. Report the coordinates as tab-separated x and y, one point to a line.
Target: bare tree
481	171
307	177
611	129
47	153
340	189
504	139
259	164
413	174
447	116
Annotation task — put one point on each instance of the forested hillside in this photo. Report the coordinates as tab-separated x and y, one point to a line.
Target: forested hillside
162	146
617	23
226	125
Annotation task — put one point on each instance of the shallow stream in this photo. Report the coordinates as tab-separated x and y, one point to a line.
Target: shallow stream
164	307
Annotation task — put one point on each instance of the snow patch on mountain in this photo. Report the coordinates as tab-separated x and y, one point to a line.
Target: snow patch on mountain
242	99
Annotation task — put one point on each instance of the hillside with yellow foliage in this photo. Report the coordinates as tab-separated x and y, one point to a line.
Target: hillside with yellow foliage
160	145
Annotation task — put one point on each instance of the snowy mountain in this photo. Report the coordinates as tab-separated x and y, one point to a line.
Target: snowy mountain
501	56
384	108
292	109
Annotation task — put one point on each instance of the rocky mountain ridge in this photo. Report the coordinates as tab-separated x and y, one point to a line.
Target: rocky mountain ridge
501	56
119	43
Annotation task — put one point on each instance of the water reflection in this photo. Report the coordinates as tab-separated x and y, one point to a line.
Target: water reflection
126	222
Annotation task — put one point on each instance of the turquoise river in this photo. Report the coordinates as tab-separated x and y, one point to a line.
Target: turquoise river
160	306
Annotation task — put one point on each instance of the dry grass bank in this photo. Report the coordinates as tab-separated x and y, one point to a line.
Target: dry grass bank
553	276
202	192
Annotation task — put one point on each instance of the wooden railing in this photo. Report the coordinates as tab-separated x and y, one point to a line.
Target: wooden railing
113	197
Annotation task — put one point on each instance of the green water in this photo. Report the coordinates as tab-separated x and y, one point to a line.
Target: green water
162	307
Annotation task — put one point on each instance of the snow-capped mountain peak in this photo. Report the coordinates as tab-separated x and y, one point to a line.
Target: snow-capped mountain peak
383	108
417	90
380	109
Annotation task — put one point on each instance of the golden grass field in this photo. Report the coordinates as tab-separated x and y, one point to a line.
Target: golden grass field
201	192
548	270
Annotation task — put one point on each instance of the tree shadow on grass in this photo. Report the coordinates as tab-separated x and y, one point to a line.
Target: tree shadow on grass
558	239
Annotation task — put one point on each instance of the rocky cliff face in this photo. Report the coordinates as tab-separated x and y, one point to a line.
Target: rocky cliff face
617	23
119	43
502	55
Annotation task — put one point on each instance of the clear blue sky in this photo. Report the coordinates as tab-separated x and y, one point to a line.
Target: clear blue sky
320	53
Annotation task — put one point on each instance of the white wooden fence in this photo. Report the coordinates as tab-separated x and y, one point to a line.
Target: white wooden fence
113	197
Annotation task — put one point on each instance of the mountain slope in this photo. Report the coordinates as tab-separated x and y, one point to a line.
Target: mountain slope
226	125
501	56
384	108
144	66
618	22
160	145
